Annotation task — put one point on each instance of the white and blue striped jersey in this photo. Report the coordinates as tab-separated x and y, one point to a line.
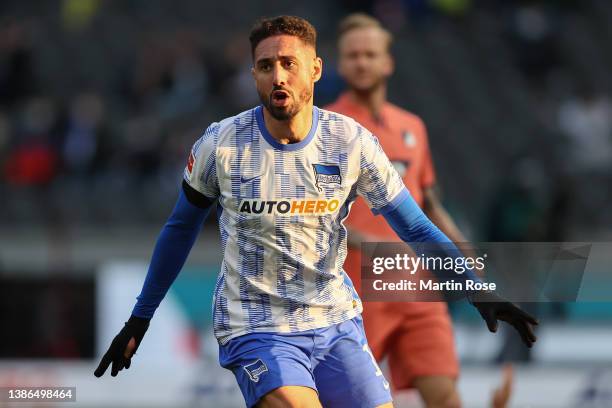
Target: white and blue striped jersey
281	208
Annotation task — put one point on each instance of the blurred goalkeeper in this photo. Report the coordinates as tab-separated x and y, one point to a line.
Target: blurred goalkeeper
286	316
416	338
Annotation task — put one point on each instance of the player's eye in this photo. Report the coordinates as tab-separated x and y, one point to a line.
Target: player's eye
290	64
265	66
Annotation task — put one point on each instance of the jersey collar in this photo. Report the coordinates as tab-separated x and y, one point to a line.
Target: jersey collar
290	146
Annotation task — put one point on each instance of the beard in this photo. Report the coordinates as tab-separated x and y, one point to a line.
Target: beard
284	113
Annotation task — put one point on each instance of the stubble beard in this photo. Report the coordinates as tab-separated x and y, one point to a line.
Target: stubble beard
288	112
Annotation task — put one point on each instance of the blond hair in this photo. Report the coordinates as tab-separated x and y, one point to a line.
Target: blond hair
361	20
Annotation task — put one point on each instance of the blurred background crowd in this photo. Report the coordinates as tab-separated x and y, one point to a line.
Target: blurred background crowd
100	102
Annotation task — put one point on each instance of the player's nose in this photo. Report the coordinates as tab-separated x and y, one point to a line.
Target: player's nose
279	75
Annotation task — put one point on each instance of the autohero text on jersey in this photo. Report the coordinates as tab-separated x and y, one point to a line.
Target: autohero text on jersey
289	207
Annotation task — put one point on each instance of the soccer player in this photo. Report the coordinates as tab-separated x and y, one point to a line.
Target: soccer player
417	338
284	174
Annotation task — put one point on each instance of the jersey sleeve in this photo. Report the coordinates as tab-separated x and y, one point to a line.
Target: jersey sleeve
201	170
378	182
428	174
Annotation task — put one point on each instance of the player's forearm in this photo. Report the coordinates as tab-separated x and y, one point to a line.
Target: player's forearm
442	219
412	226
171	250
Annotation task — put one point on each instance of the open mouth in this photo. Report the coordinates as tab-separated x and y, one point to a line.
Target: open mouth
280	97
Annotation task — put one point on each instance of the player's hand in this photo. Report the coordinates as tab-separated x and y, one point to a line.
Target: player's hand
123	347
492	308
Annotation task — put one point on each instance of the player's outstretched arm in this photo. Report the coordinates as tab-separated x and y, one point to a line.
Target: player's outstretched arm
173	246
411	225
382	188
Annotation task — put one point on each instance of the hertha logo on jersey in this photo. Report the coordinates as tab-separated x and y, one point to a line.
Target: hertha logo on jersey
326	174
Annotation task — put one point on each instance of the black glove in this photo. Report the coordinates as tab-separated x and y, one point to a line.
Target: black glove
493	308
135	327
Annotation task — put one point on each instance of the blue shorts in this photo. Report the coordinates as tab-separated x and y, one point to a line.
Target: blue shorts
335	361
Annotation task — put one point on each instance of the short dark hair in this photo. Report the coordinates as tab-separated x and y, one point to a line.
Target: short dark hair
283	25
361	20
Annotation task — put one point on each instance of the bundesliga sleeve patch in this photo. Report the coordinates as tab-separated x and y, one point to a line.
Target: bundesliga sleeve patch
190	163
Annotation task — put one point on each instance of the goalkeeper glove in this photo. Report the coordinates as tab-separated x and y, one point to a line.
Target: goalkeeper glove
118	353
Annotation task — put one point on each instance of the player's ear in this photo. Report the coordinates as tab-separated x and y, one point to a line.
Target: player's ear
317	69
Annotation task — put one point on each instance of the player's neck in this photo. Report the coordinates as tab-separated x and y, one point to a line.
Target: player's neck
373	100
293	130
